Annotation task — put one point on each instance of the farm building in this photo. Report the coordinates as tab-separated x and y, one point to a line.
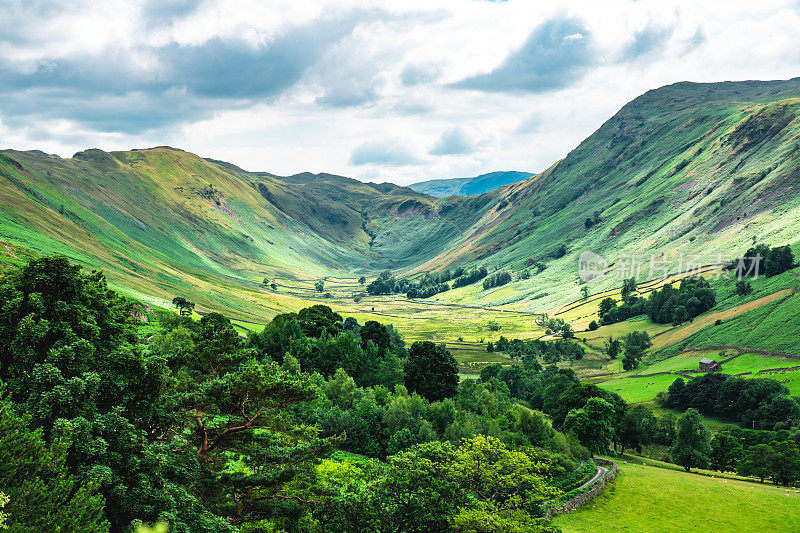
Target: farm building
709	365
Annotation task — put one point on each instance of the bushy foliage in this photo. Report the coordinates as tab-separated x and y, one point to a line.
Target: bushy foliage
471	277
668	305
550	351
481	485
497	279
763	260
763	403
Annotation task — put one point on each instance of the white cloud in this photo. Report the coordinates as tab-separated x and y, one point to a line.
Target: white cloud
365	92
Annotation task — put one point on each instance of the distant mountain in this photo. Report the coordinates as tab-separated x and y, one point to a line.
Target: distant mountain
468	186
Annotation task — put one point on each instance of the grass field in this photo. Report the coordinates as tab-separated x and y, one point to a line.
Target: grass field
645	499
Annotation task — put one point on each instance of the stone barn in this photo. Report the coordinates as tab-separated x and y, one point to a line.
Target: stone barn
709	365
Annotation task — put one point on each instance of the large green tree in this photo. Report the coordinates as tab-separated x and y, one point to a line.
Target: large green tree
431	370
592	424
43	494
691	448
726	451
756	461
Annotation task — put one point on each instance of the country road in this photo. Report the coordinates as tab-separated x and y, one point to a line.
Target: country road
601	471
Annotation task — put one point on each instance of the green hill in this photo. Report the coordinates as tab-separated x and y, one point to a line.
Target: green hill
681	170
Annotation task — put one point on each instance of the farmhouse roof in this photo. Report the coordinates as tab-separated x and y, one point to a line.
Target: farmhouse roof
706	360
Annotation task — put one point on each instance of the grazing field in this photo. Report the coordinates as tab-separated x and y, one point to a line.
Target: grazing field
636	390
646	499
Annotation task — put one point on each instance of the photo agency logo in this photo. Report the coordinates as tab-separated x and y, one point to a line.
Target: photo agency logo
591	266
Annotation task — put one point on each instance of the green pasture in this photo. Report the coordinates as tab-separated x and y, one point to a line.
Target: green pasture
647	499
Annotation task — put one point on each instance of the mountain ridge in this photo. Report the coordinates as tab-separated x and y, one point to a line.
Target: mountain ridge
680	169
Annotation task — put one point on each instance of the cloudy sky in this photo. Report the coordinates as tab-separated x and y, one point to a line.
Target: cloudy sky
383	90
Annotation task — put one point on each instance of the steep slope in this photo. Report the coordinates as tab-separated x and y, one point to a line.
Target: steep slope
682	170
165	220
468	186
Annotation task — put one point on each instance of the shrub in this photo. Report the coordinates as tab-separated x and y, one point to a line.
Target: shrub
743	287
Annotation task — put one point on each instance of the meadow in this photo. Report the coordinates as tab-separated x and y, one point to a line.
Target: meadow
648	499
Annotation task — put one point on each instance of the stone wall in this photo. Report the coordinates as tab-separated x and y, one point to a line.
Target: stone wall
592	493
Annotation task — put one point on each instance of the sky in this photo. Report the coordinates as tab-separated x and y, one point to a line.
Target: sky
399	91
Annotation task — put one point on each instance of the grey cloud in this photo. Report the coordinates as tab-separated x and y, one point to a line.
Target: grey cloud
647	40
453	142
391	153
555	55
415	74
165	12
348	93
111	92
532	124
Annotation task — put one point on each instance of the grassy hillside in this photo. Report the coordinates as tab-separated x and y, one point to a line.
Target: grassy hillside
649	499
163	221
682	170
686	171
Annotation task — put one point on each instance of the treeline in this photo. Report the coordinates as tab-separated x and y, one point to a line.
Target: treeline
210	432
752	453
428	285
469	278
497	279
549	351
755	403
668	305
596	418
763	260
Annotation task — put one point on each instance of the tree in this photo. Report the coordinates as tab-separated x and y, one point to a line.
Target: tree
679	315
41	493
585	292
756	461
362	280
612	347
317	319
691	448
593	425
377	333
726	451
784	463
505	487
743	287
432	371
593	325
628	288
636	428
606	304
233	405
778	260
418	493
275	340
665	430
319	285
636	342
186	307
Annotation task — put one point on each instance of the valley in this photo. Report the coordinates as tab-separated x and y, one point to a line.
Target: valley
303	305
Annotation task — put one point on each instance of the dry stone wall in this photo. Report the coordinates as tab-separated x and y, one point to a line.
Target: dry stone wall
592	493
